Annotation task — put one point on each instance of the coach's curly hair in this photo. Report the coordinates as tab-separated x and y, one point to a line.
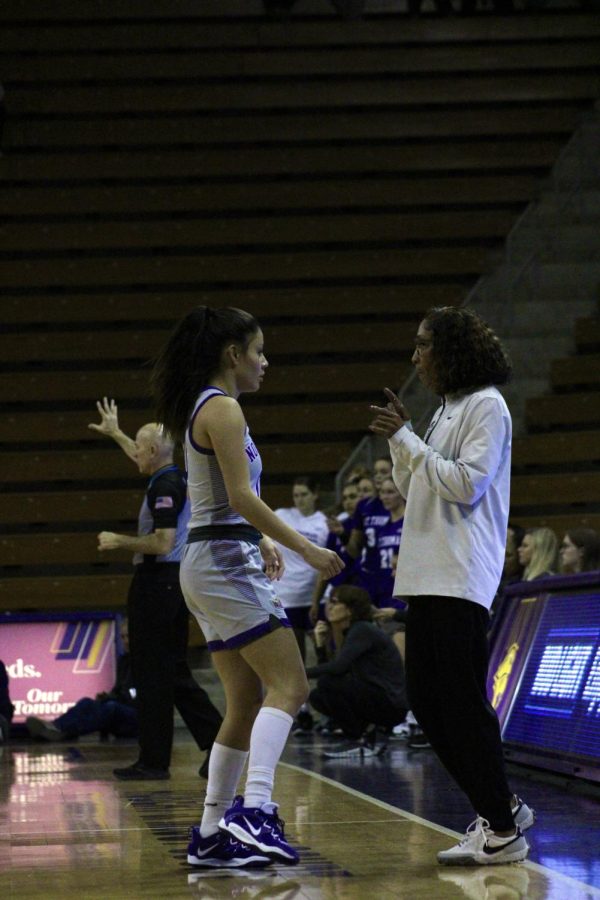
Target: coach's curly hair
467	354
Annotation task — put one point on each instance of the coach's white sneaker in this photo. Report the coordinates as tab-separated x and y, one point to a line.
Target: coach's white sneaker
523	815
482	847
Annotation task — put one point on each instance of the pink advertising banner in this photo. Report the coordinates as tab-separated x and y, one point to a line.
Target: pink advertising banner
52	664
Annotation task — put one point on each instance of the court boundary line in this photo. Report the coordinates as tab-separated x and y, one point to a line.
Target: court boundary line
536	867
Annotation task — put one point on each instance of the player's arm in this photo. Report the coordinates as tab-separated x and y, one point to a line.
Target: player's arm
224	423
109	426
158	543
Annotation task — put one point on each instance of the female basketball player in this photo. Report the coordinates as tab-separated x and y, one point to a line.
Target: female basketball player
211	358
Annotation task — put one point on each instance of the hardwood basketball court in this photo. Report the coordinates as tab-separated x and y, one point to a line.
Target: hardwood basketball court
69	829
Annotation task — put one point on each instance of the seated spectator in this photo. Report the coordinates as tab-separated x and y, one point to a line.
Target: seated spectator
382	469
391	615
6	707
363	685
369	515
339	524
344	510
538	553
109	713
357	472
297	585
512	570
366	488
387	535
580	551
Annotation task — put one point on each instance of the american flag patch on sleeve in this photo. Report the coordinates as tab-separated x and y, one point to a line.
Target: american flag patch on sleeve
164	503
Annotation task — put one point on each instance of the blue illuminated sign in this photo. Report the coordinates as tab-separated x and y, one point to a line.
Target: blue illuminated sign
557	706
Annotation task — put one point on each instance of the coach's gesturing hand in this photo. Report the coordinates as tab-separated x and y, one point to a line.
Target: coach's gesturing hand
390	418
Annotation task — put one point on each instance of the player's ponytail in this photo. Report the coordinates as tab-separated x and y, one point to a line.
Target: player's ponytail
191	356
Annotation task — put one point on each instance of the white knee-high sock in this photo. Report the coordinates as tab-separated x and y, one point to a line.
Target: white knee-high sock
269	734
225	768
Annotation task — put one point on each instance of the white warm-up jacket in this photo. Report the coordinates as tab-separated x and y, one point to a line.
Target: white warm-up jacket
457	488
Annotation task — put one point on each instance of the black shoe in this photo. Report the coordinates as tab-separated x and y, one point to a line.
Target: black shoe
417	740
359	750
329	728
372	743
303	723
350	750
139	772
44	731
376	739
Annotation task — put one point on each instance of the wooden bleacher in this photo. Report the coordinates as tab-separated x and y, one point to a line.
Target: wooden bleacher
556	480
336	178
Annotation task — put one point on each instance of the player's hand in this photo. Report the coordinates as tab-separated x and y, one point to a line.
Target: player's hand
390	418
272	558
109	419
108	540
327	562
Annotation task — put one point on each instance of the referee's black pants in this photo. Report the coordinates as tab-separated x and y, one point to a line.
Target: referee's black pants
158	637
446	671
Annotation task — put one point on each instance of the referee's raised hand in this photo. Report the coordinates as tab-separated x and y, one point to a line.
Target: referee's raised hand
109	418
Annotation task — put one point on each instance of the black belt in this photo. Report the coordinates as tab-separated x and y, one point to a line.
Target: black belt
224	533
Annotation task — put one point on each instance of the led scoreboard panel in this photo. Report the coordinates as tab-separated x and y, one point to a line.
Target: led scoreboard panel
545	675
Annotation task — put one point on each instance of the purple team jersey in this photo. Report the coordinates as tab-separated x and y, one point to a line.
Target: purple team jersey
369	516
381	584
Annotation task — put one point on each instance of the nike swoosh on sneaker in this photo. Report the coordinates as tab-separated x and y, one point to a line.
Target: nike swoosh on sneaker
490	851
207	850
253	831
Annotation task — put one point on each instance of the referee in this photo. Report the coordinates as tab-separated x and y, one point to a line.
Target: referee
158	615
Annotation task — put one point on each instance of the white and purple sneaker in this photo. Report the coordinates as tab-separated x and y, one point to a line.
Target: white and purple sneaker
222	851
261	828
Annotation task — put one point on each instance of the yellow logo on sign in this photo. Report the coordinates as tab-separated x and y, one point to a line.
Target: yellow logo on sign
502	674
